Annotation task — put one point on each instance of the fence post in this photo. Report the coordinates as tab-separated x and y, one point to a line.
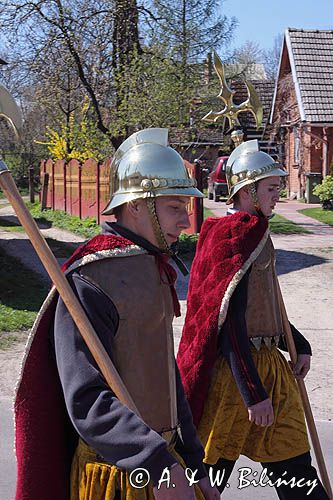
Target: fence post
198	202
80	190
45	186
98	195
65	188
53	187
31	185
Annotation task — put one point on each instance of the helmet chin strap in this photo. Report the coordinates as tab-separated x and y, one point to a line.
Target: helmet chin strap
160	238
159	235
254	196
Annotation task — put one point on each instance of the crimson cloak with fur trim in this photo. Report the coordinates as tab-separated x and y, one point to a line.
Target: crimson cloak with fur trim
226	249
44	437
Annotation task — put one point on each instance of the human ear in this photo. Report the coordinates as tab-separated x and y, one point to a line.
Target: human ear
136	207
133	207
244	193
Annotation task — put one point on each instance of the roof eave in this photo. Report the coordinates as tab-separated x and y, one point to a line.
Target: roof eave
320	124
294	75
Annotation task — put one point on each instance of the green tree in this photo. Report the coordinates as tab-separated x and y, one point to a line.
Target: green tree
185	31
91	38
128	66
79	139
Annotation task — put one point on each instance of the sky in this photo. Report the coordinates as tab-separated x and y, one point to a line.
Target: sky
262	20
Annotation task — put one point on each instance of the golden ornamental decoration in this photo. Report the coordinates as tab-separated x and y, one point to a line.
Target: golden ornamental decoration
232	110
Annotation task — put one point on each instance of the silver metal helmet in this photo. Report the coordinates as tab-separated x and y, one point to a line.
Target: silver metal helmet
247	165
144	166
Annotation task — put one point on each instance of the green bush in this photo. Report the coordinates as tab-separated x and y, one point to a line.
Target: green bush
187	244
324	191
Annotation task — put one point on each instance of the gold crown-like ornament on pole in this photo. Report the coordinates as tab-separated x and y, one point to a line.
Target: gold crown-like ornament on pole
246	164
232	110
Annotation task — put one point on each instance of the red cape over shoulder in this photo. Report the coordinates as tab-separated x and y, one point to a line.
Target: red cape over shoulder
44	438
226	248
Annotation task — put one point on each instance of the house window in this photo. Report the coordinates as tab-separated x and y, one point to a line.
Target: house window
296	145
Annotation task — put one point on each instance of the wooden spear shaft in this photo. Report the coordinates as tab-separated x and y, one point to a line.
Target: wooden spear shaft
305	400
58	278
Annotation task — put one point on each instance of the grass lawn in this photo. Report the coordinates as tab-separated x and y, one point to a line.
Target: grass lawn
21	295
84	227
325	216
280	225
208	213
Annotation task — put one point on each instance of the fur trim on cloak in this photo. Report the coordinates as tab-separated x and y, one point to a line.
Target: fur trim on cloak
45	440
226	249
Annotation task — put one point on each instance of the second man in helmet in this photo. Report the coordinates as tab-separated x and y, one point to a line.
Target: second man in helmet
242	393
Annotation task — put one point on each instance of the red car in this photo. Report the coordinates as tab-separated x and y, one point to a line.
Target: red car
217	181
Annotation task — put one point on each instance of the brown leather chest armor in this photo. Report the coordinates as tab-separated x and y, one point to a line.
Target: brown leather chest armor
263	316
142	348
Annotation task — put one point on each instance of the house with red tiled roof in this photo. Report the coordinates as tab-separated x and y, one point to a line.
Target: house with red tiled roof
301	118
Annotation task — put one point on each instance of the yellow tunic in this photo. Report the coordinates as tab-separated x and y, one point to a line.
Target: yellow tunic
92	479
225	429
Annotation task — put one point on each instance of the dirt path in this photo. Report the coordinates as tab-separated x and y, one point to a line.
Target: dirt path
10	363
307	292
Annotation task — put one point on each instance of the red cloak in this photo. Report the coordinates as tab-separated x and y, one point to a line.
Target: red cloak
226	248
44	438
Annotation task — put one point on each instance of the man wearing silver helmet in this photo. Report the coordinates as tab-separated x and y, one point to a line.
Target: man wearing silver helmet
126	285
242	393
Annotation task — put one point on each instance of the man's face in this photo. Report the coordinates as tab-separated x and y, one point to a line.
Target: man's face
268	194
172	215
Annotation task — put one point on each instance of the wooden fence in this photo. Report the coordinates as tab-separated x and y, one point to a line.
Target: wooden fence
84	189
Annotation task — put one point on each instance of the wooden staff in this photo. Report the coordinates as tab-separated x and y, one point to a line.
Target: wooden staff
60	281
305	400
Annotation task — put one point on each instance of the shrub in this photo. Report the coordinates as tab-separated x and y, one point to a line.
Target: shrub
324	191
187	244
